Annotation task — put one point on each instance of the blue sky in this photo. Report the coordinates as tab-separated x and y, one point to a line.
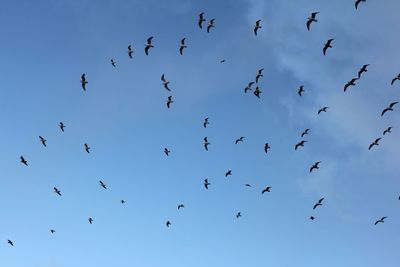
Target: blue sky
47	45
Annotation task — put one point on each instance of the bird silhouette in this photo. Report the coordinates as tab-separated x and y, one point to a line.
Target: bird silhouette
352	82
102	184
206	143
222	61
180	206
90	220
388	130
57	191
169	101
122	201
182	46
300	90
201	19
238	215
257	92
265	190
319	203
52	231
206	122
168	223
62	126
228	173
23	161
311	19
266	147
210	25
327	45
165	82
248	87
206	183
113	62
305	132
148	45
10	242
312	218
362	70
42	140
240	139
259	75
83	82
375	143
358	2
248	185
166	151
315	166
130	51
257	26
389	108
324	109
301	143
87	148
381	220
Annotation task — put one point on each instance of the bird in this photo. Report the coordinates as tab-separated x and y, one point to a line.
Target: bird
113	62
210	25
259	75
327	45
266	147
248	87
102	184
130	51
396	78
62	126
182	46
42	140
169	101
23	161
257	92
206	183
206	143
375	143
301	90
166	151
240	139
90	220
382	220
358	2
319	203
148	45
83	81
222	61
352	82
239	214
57	191
312	19
228	173
388	130
248	185
206	122
265	190
201	19
180	206
362	70
165	82
301	143
389	108
315	166
10	242
87	148
257	26
122	201
305	132
324	109
168	223
312	218
52	231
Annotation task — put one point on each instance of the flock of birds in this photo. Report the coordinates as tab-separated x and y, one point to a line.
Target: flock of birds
257	91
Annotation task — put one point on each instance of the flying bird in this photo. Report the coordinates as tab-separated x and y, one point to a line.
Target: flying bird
248	87
23	161
388	130
259	75
382	220
396	78
265	190
205	123
87	148
358	2
312	19
228	173
362	70
266	147
83	82
166	151
305	132
301	143
352	82
169	101
206	143
62	126
165	82
301	90
248	185
52	231
222	61
182	46
239	214
57	191
201	19
210	25
206	183
168	223
148	45
312	218
375	143
257	26
240	139
42	140
130	51
102	184
328	44
113	63
257	92
90	220
324	109
122	201
10	242
319	203
389	108
315	166
180	206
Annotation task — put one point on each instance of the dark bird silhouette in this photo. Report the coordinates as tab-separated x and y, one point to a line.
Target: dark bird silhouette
148	45
257	26
315	166
266	147
248	185
238	215
324	109
169	101
62	126
305	132
113	62
396	78
375	143
382	220
57	191
228	173
201	19
23	161
222	61
319	203
210	25
301	90
182	46
166	151
180	206
301	143
388	130
10	242
122	201
257	92
206	143
328	44
90	220
205	123
206	183
265	190
130	51
240	139
389	108
83	82
102	184
312	218
362	70
311	19
87	148
165	82
52	231
352	82
168	223
42	140
248	87
358	2
259	75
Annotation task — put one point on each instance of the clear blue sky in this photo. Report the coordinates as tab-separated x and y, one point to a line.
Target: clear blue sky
47	45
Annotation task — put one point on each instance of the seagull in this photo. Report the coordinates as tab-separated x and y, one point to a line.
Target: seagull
301	143
166	151
122	201
259	75
210	25
102	184
319	203
301	90
148	45
23	161
168	223
42	140
181	206
324	109
358	2
257	26
83	82
165	82
90	220
352	82
52	231
389	108
266	147
257	92
113	62
228	173
396	78
182	46
206	143
266	190
239	214
362	70
315	166
248	87
240	139
62	126
10	242
57	191
328	44
201	19
312	218
205	123
312	19
375	143
130	51
382	220
206	183
87	148
388	130
305	132
169	101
